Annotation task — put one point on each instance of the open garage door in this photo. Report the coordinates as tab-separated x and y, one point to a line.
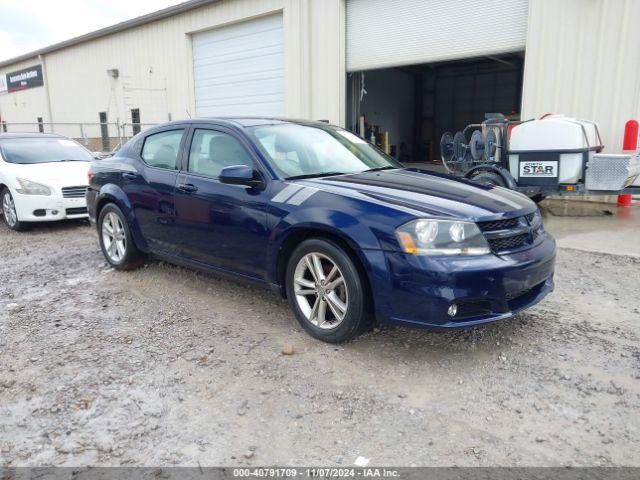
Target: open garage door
239	69
389	33
405	110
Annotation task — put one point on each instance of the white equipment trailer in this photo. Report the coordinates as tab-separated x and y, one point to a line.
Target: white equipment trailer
554	155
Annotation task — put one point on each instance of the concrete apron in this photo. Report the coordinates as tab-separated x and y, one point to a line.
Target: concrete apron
594	227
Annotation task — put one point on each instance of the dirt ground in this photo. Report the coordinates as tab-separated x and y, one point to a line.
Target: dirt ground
168	366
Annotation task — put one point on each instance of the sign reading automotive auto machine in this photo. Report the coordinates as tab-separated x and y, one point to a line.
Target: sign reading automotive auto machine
26	78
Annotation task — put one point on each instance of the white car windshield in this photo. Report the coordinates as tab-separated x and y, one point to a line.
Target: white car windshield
298	151
30	150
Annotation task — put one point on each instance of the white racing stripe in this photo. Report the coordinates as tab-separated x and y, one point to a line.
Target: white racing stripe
302	196
286	193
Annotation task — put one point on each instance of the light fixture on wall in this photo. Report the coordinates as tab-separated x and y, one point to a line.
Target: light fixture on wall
113	72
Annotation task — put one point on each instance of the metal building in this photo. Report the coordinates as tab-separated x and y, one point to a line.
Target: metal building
412	68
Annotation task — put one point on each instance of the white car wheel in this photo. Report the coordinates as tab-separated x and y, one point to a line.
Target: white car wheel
9	211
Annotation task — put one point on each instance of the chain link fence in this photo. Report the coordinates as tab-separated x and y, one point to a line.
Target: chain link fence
97	137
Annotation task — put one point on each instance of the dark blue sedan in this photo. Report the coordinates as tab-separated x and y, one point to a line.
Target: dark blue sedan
314	212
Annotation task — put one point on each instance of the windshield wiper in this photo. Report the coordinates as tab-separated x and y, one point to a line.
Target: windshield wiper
386	167
315	175
72	160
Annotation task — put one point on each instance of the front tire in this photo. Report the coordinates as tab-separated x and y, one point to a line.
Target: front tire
326	291
116	240
9	211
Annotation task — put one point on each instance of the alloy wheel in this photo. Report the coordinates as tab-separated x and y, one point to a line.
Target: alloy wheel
9	209
114	237
321	291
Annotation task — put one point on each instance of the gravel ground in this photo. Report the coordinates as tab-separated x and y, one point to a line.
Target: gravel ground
168	366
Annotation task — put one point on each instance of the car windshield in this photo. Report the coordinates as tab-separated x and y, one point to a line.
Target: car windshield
30	150
298	151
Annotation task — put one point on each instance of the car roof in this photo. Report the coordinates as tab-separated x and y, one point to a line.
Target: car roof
4	136
244	122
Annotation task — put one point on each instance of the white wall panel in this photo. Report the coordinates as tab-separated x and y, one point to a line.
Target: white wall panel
239	69
156	66
24	106
583	60
385	33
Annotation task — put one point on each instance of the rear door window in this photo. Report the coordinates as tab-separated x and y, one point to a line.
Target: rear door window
161	149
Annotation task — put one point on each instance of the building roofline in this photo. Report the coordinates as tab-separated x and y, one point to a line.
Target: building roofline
118	27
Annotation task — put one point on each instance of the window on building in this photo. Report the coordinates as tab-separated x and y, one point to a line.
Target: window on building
161	149
104	132
211	151
40	125
135	120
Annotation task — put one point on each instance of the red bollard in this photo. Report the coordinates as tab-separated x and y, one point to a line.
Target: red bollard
624	200
630	142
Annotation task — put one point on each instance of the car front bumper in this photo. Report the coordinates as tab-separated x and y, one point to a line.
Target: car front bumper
418	290
40	208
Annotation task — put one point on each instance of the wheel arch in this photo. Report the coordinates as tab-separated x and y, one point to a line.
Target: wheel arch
299	235
111	193
505	174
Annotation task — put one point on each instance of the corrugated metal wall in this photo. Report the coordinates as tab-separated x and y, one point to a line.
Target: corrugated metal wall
583	60
24	106
156	72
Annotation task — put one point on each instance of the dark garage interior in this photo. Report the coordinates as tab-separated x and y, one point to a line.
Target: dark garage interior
408	108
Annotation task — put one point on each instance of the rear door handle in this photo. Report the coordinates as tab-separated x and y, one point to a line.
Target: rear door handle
188	187
129	176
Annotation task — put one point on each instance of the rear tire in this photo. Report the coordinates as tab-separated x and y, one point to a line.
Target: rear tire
490	178
326	292
9	212
116	240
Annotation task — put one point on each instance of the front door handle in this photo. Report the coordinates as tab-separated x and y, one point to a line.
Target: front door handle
129	176
188	188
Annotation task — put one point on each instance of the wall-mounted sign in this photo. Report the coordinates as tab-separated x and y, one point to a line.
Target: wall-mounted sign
25	78
3	84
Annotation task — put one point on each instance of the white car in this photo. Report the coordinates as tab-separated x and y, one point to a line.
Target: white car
43	178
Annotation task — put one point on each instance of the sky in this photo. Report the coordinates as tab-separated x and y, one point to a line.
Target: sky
27	25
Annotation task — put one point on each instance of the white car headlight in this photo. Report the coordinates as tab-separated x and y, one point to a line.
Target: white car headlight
27	187
442	237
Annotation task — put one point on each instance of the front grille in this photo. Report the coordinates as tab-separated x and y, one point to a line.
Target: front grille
515	295
76	211
515	299
506	235
499	224
472	308
508	243
74	192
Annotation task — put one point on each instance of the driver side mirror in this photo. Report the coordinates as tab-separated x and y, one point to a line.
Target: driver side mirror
240	175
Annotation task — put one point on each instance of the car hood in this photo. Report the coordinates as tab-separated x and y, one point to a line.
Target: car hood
432	194
54	174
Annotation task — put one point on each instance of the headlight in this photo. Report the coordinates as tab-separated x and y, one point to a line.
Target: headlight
442	237
27	187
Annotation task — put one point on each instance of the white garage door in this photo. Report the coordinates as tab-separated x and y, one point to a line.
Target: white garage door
387	33
239	69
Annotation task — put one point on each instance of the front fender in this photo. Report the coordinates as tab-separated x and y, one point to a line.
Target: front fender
114	194
333	222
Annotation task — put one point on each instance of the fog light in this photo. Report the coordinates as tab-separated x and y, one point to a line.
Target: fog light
54	212
453	309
